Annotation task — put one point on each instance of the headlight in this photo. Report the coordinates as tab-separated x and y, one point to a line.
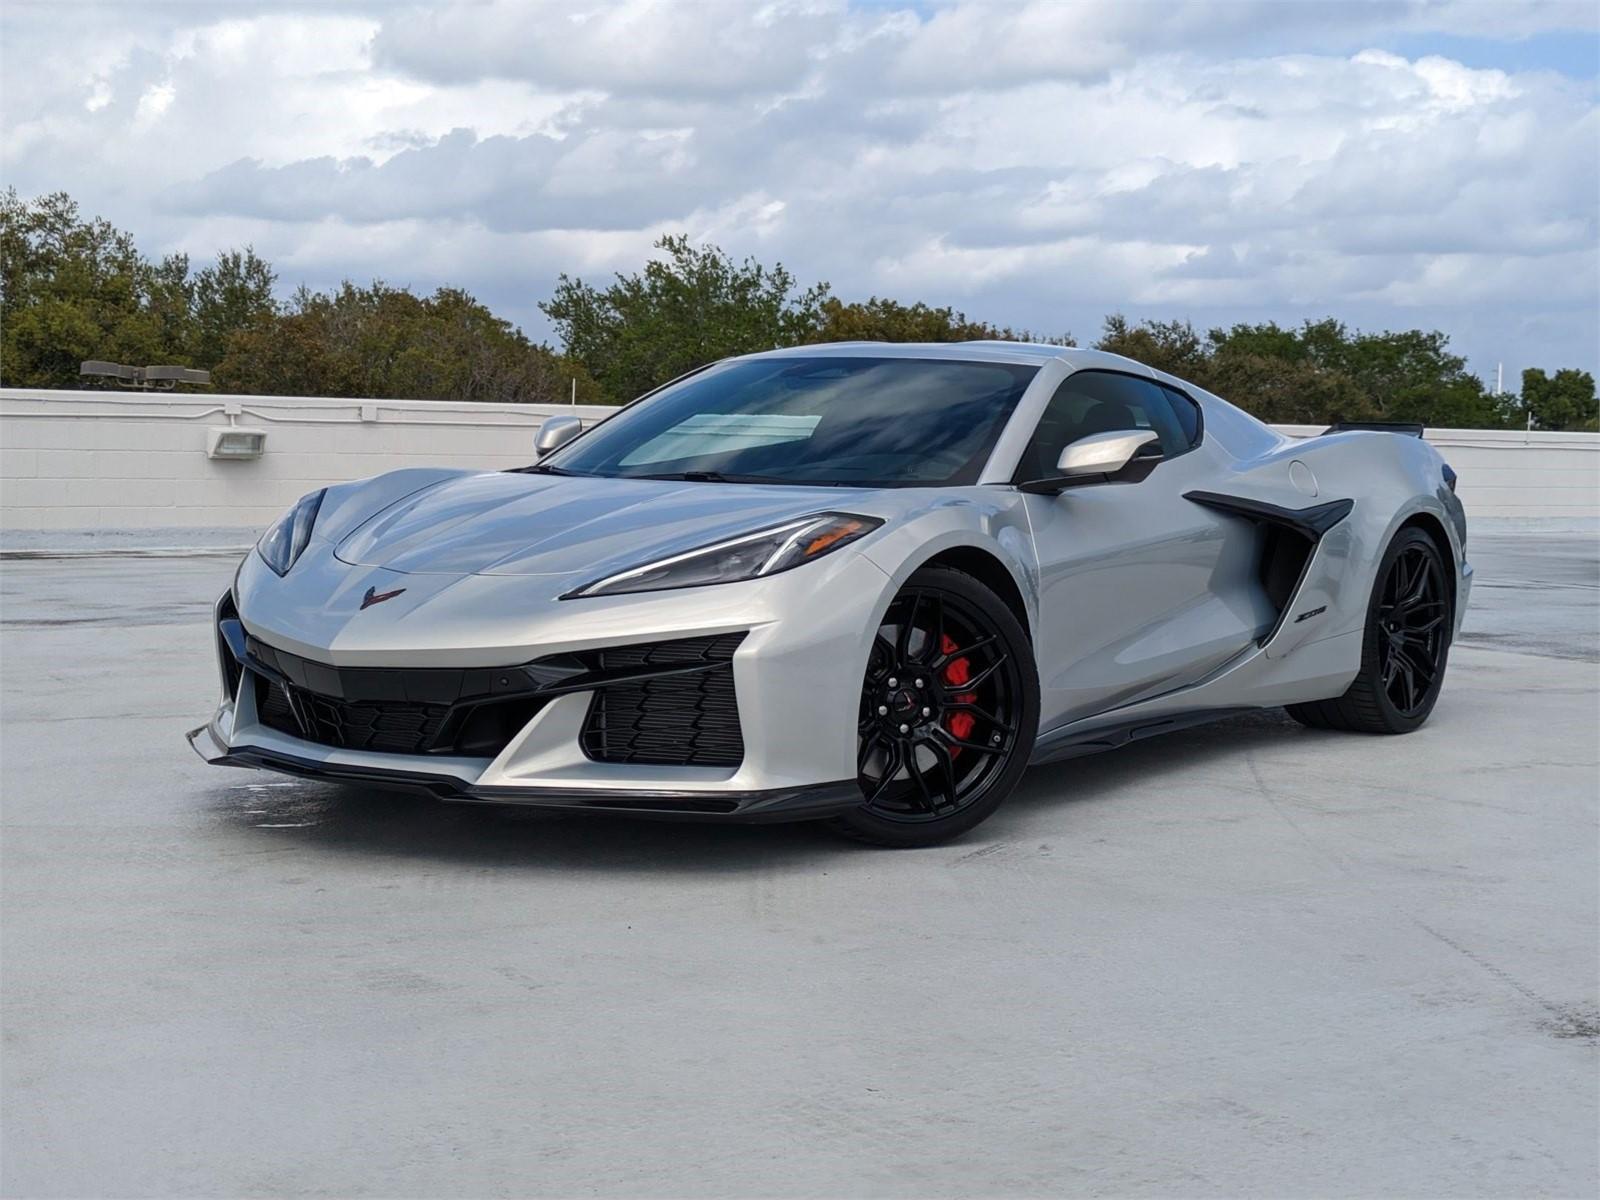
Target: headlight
282	545
750	556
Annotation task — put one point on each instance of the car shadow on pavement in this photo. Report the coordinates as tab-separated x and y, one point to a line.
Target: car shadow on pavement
360	820
1160	761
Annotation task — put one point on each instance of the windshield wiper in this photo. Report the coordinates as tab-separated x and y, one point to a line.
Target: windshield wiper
782	480
712	477
541	469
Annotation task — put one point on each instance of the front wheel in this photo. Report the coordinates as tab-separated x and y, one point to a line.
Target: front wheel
949	710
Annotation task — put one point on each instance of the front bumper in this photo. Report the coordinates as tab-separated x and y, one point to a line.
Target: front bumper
796	658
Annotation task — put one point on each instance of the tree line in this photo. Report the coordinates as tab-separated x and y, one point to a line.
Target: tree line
75	288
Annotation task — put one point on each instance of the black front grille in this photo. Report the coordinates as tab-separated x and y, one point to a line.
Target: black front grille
670	703
392	727
687	719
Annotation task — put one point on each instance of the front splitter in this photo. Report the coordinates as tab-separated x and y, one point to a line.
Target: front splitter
808	803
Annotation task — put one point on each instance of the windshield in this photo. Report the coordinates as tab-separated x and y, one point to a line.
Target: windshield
864	422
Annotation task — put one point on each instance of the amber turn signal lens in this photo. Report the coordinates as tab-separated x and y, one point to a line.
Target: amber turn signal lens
843	529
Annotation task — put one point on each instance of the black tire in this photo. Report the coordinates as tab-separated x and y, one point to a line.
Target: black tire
1405	649
941	748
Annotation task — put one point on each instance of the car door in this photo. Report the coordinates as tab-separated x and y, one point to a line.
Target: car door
1141	591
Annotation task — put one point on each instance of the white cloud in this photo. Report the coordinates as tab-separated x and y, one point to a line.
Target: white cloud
714	48
1039	164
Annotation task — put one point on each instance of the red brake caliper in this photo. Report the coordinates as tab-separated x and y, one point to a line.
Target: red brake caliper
957	672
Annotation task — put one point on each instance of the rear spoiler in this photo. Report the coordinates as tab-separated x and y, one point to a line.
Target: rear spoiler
1404	428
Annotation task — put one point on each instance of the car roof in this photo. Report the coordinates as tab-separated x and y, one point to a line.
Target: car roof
1032	353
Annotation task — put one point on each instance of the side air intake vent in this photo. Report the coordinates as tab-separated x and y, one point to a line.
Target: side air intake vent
687	718
1283	560
1289	536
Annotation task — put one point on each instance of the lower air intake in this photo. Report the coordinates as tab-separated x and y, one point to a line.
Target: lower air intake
388	727
688	719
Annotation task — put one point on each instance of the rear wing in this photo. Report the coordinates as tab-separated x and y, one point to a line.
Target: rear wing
1404	428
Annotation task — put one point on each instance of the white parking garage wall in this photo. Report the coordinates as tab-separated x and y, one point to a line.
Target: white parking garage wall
97	464
1534	476
109	461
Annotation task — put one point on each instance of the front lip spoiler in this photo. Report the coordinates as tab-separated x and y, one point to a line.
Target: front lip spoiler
807	803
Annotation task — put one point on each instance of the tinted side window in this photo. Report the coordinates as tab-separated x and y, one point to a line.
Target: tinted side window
1089	402
1187	413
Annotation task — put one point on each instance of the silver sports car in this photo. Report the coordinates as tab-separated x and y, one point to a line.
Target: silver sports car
864	583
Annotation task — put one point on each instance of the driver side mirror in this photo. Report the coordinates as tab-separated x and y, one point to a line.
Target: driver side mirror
555	433
1117	456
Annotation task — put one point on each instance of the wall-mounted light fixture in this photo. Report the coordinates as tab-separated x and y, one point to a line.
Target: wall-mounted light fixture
235	442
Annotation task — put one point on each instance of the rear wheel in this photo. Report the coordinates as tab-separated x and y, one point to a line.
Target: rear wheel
1405	649
948	712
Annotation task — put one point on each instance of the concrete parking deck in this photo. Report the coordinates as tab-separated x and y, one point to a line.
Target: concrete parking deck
1246	959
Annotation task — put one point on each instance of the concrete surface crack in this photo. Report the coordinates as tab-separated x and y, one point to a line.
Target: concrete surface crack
1561	1018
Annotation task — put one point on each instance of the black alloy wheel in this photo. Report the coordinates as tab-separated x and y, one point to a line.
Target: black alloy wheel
948	712
1410	620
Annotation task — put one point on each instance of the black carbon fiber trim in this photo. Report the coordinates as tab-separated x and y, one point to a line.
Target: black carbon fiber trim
1310	522
809	802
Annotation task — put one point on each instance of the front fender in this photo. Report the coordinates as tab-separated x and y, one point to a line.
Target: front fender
990	520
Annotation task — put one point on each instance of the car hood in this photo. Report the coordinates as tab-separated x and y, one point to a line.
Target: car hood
514	523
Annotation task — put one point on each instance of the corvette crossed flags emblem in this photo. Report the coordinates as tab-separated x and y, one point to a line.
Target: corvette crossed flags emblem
374	596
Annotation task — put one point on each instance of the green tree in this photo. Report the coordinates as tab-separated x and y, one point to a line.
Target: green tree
1266	340
1411	376
1171	346
1287	390
232	294
691	306
1397	376
879	320
1462	403
389	343
73	289
169	301
1565	400
70	289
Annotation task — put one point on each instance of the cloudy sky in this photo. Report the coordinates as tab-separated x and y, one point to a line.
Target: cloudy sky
1391	163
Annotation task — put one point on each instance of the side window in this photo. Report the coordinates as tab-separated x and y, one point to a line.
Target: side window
1089	402
1187	413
